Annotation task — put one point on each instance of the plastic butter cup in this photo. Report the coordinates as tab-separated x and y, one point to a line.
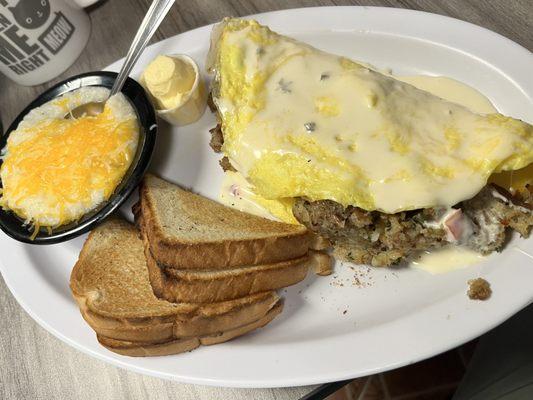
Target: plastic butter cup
192	103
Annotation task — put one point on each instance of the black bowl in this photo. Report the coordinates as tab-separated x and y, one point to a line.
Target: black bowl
14	226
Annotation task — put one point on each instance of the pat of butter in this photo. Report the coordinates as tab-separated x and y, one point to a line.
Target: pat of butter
168	79
176	88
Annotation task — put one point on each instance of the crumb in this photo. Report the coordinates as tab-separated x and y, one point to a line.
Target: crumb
344	312
226	164
479	289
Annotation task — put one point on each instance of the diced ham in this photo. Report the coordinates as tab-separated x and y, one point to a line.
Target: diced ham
457	226
453	225
235	190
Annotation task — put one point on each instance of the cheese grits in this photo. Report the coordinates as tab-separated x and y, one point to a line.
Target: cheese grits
55	170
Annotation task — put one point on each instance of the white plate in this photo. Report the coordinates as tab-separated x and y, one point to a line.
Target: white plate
401	315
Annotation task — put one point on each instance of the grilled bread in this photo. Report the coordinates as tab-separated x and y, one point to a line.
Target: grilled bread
111	286
203	286
142	349
187	231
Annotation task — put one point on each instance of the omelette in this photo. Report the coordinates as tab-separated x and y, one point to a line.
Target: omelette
346	150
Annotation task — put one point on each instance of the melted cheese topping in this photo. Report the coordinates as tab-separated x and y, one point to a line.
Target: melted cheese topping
55	170
447	259
301	122
457	92
237	192
451	90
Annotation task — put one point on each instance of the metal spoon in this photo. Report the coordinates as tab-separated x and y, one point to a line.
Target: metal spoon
149	25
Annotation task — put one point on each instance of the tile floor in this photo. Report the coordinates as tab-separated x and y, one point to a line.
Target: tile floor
434	379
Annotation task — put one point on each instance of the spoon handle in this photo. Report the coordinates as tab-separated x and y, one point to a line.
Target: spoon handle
149	25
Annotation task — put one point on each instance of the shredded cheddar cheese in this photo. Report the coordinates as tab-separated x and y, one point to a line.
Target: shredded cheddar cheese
56	170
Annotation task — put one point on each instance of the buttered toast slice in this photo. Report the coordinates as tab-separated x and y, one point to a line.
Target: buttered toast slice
204	286
188	231
111	286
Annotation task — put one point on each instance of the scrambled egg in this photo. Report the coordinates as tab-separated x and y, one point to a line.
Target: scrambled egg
301	122
55	170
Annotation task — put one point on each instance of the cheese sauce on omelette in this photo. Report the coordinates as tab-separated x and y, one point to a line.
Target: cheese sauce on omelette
301	122
238	193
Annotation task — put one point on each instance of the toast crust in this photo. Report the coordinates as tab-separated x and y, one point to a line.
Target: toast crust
126	348
273	242
146	349
205	287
